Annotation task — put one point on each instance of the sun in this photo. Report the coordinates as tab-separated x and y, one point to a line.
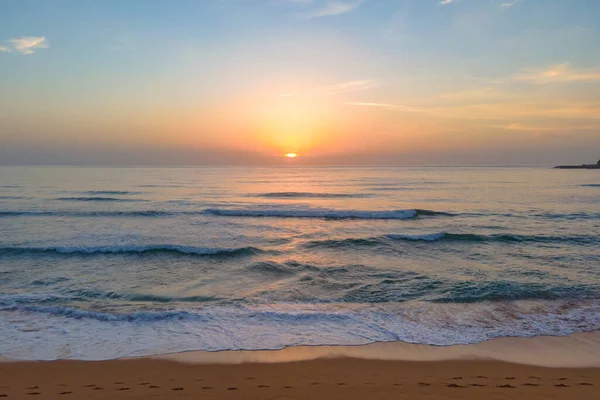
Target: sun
291	155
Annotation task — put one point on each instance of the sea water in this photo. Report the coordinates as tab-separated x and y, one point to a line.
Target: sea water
100	263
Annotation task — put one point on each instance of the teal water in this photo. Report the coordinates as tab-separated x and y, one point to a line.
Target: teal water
100	263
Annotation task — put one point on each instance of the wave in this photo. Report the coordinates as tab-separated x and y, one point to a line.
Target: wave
89	295
12	197
592	185
321	213
110	192
96	335
452	237
277	213
567	216
115	199
303	195
78	313
159	186
140	213
138	249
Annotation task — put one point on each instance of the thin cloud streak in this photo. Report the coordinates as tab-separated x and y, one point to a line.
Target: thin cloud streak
559	73
25	44
510	4
344	87
352	86
334	7
384	105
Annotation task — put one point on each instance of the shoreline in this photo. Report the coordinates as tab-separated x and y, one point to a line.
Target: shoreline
561	368
578	350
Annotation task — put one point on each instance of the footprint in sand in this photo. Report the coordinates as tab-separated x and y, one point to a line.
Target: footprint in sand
531	384
144	383
250	378
232	388
157	387
3	395
288	387
33	393
177	388
207	387
63	393
585	384
424	384
563	379
561	385
119	383
315	383
506	386
454	385
456	378
89	385
32	387
477	385
123	389
98	388
510	378
341	384
534	377
262	386
481	377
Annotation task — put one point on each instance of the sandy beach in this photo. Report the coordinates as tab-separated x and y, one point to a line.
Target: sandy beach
378	371
316	379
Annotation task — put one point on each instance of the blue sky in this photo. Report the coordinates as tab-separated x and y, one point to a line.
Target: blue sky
338	81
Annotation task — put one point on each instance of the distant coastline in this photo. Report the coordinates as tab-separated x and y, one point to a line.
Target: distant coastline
582	166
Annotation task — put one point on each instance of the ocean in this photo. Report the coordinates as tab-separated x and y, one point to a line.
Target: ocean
101	263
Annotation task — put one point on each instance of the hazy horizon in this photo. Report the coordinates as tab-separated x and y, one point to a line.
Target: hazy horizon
339	82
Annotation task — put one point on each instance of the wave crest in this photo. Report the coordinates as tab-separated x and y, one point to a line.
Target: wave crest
318	213
114	199
137	249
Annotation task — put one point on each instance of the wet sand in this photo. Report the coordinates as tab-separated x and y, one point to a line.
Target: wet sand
341	374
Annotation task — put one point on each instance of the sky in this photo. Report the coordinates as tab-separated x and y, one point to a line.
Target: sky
339	82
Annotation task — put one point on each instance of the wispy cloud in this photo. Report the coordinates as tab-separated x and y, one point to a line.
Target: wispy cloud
526	128
554	127
352	86
25	44
344	87
446	2
510	3
384	105
334	7
559	73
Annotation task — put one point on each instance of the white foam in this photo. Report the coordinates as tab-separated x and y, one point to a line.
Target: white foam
431	237
70	333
